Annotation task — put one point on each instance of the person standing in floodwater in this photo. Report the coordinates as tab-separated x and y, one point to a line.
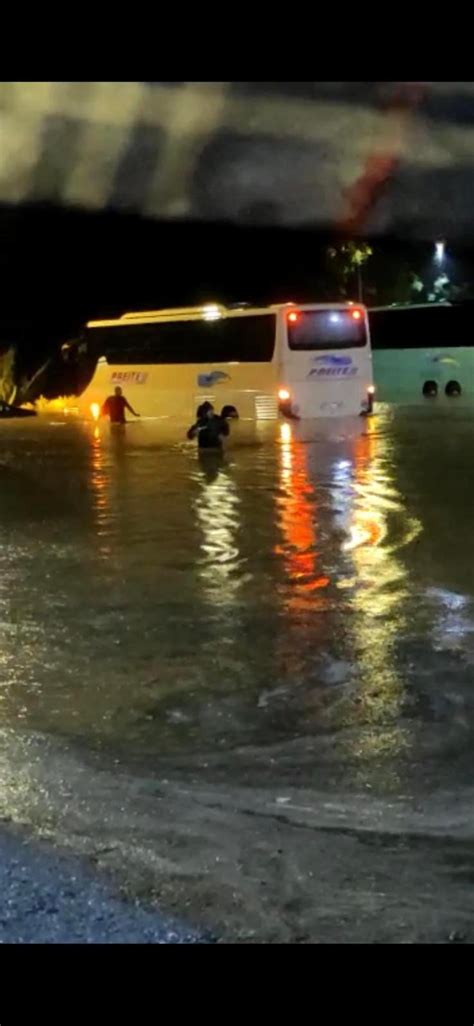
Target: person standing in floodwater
115	406
208	428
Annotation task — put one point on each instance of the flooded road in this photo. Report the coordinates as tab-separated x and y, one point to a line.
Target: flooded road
245	685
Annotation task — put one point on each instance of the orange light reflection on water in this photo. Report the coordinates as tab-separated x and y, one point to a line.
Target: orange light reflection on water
298	517
99	485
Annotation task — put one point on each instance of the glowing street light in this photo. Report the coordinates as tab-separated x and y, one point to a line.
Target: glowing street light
439	251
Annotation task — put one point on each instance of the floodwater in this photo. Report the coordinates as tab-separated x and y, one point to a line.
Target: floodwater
245	685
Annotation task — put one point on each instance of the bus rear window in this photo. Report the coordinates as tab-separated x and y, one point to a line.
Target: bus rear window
233	339
326	329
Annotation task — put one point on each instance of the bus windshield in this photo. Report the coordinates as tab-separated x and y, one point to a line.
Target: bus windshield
326	329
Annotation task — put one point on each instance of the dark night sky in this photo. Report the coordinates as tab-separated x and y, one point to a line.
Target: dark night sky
60	267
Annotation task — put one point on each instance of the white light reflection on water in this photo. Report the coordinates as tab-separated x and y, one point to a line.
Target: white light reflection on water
453	626
372	512
217	513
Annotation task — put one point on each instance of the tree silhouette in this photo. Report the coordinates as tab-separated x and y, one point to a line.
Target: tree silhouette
345	262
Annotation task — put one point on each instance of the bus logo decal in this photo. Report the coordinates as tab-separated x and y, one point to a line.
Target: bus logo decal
212	378
333	366
131	377
445	359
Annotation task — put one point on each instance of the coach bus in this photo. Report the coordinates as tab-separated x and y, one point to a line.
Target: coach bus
295	361
423	352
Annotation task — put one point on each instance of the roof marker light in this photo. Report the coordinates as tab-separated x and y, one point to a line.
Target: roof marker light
211	312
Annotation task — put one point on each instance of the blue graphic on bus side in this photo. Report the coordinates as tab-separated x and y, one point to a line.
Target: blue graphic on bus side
333	365
212	378
333	360
445	358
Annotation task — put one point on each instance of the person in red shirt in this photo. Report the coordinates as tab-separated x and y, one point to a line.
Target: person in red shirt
115	406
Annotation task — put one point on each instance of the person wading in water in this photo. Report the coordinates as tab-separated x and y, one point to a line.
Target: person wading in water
209	428
115	406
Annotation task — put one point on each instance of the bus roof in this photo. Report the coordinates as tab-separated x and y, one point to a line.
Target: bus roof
406	306
209	312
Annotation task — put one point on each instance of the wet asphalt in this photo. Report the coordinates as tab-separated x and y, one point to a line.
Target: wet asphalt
50	898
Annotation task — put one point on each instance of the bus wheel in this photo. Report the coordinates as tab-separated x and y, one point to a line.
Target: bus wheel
430	388
453	388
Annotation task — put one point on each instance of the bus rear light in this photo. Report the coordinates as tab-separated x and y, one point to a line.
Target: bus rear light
285	404
369	403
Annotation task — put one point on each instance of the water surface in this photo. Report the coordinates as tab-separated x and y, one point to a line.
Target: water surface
291	615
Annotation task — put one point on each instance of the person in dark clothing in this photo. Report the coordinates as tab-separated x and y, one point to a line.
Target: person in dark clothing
208	428
229	413
115	406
